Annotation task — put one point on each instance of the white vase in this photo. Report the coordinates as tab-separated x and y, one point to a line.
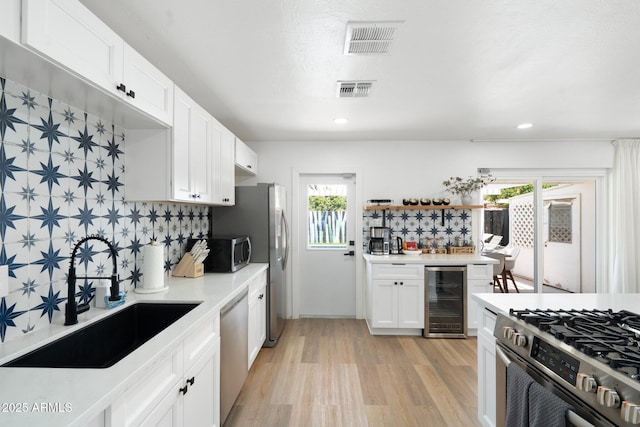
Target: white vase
466	199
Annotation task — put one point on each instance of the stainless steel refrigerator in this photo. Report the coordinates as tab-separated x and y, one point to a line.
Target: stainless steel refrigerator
260	213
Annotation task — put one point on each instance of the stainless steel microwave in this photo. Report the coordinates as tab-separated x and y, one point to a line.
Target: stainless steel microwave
227	253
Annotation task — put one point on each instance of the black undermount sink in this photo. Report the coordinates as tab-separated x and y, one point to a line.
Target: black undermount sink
107	341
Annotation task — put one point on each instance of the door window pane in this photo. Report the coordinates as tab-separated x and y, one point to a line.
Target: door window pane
327	216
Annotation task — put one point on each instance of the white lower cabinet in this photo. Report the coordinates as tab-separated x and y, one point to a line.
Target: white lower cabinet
257	316
396	299
181	389
486	367
479	280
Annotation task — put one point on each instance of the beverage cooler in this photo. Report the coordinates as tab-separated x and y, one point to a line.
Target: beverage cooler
445	308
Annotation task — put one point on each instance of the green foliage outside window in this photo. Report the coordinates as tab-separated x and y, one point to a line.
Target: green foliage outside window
507	193
327	203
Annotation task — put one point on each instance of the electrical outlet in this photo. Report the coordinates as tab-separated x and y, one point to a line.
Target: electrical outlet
4	280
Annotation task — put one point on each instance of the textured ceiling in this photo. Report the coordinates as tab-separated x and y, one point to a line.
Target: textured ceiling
458	69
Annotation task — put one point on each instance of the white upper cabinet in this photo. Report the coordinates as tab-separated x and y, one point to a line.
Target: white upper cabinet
68	33
146	87
10	20
246	159
224	180
192	151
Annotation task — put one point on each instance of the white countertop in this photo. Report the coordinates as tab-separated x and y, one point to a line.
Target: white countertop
81	394
501	303
430	259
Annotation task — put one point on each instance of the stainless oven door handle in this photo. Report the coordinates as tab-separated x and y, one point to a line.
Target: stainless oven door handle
503	357
572	417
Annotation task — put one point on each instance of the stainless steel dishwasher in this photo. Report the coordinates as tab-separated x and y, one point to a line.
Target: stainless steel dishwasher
234	351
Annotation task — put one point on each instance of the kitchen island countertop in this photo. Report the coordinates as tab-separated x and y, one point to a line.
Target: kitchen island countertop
64	397
501	303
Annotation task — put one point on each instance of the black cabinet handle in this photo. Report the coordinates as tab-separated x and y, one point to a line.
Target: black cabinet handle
260	296
121	87
248	166
350	253
191	380
184	389
131	94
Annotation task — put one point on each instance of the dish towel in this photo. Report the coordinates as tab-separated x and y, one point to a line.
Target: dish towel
545	408
518	382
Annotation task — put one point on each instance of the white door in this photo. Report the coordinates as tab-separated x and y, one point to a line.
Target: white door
562	243
327	280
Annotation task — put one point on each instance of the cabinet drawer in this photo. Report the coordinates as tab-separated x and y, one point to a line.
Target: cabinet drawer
397	271
479	271
201	340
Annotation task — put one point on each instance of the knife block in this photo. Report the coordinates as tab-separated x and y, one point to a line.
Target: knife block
188	268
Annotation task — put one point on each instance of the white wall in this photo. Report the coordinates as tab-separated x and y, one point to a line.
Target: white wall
399	170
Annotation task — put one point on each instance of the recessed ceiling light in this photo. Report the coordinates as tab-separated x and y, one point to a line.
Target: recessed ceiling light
524	125
340	121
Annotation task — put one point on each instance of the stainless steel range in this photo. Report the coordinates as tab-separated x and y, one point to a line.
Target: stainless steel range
588	358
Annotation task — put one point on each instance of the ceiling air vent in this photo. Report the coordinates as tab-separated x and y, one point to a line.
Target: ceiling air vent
354	89
370	38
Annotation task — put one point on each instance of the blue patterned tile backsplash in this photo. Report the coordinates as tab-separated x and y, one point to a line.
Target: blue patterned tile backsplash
62	178
416	225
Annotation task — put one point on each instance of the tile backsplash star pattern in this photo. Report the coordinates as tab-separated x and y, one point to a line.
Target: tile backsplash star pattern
419	224
62	178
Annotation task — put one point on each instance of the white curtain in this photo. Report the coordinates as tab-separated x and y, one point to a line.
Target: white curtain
625	217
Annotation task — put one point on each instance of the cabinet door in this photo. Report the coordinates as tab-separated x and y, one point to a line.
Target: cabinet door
181	121
257	319
153	395
246	159
199	408
69	34
262	315
476	286
479	280
10	20
223	166
200	154
411	303
168	413
146	87
253	329
486	381
384	299
191	150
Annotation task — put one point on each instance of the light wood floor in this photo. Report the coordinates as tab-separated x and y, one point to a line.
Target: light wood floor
332	372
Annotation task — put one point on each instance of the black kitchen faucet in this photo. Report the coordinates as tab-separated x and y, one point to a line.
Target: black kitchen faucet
72	308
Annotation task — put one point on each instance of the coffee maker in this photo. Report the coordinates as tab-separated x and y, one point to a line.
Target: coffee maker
379	241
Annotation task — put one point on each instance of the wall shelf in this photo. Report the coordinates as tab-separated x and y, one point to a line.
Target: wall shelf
418	207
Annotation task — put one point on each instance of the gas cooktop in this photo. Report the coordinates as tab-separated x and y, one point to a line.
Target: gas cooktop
610	337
